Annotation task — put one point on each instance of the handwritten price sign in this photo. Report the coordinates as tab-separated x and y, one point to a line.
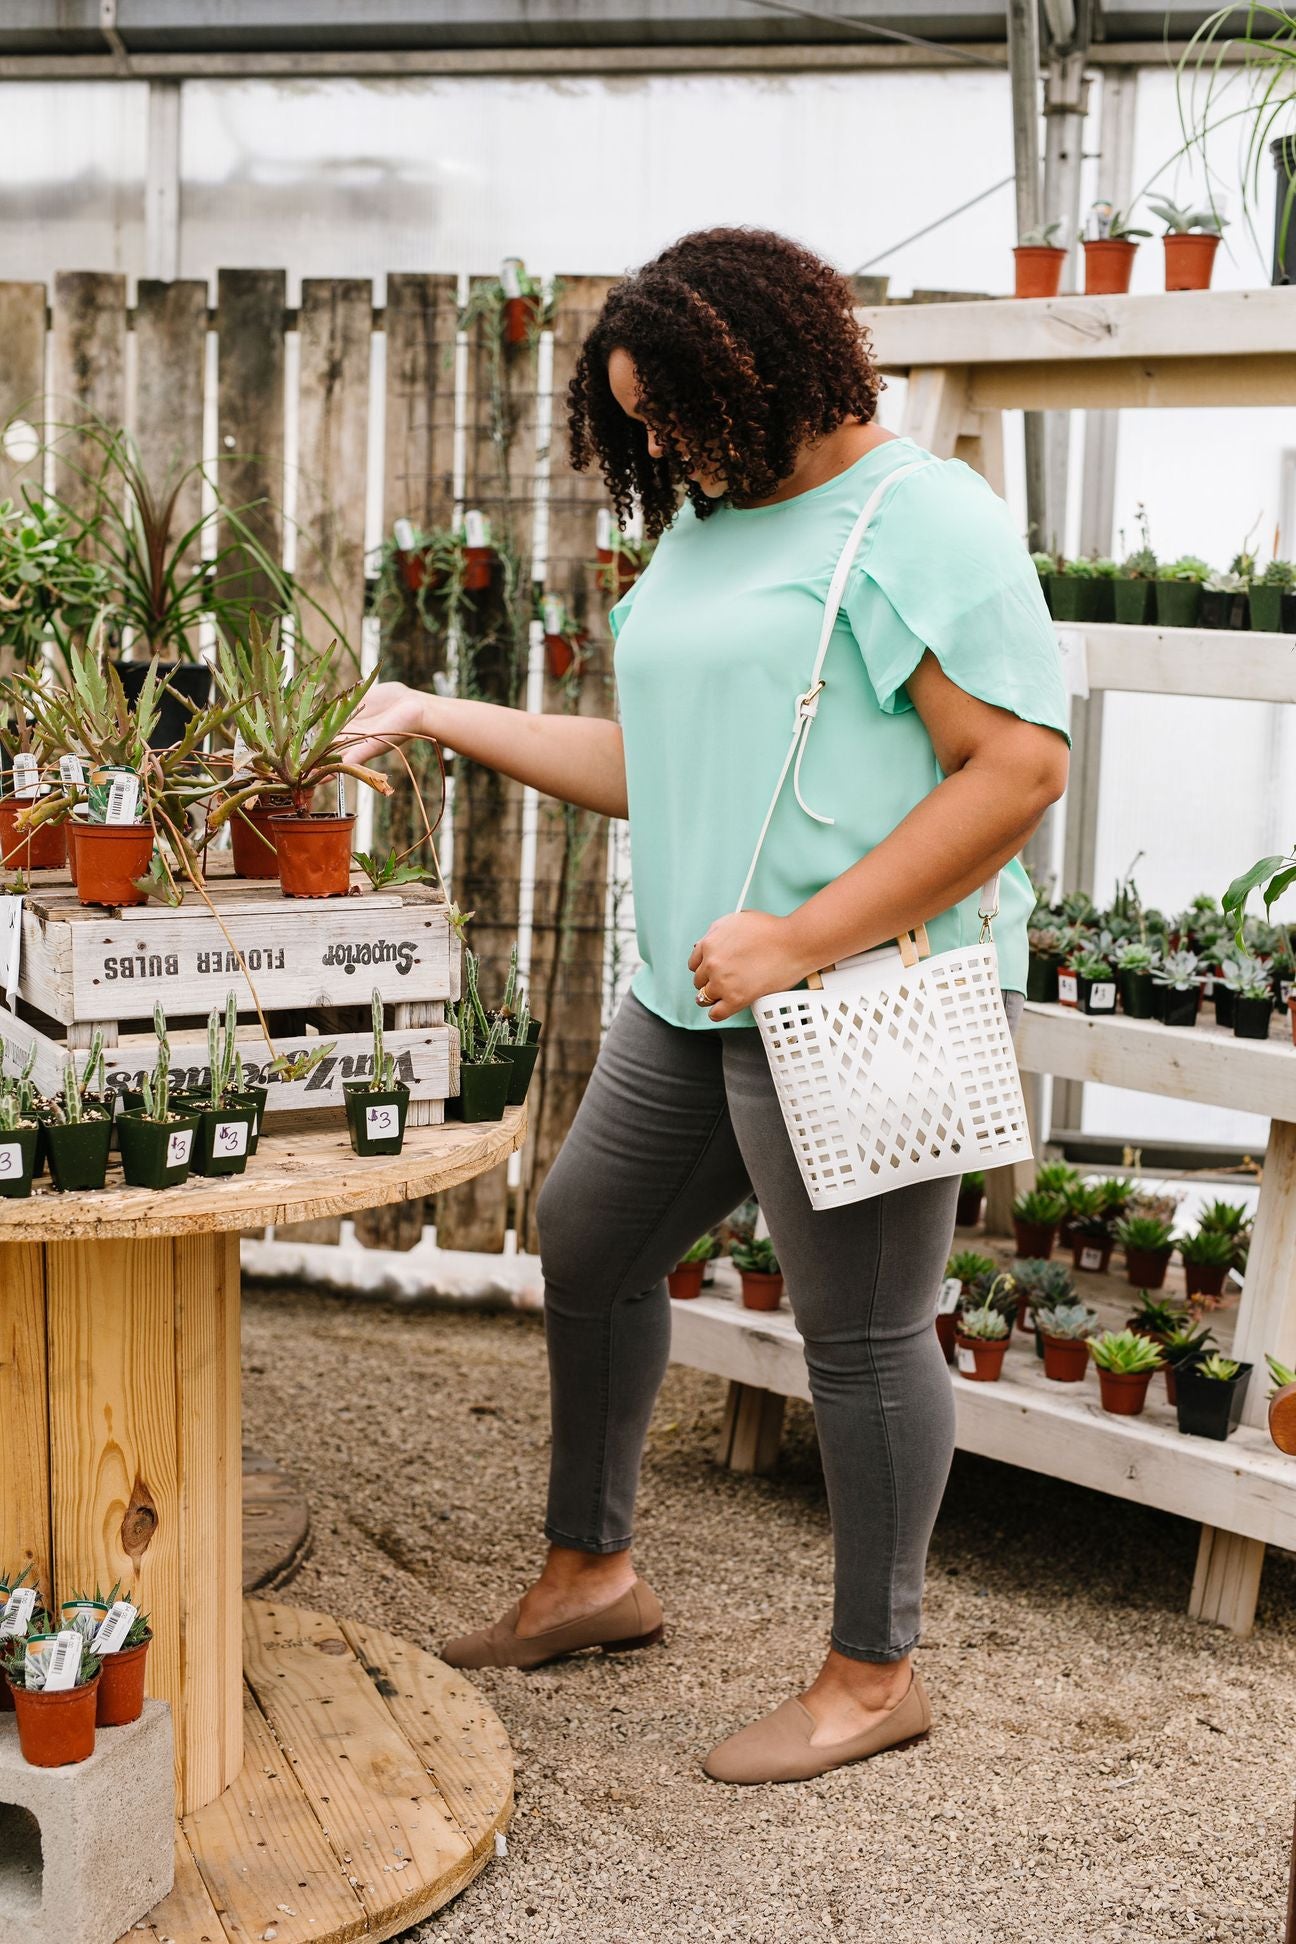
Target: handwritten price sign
179	1146
231	1138
11	1165
381	1123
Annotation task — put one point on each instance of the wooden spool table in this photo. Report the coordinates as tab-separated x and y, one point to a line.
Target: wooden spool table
333	1781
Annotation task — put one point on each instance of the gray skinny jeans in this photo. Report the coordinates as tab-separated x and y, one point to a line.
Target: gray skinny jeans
675	1129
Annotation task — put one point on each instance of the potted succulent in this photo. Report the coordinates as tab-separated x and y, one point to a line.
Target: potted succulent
685	1279
226	1116
1148	1243
564	639
1089	1230
1036	1218
1068	985
1126	1363
1210	1396
967	1266
19	1134
1041	1286
1156	1320
758	1268
1077	592
1223	600
971	1194
1109	252
1132	592
79	1135
1267	592
1135	961
522	301
376	1108
485	1074
1037	262
1000	1290
1247	979
1191	240
1207	1258
519	1042
981	1343
1178	591
121	1646
1096	982
1044	944
25	846
1187	1343
155	1140
54	1680
1064	1333
1177	982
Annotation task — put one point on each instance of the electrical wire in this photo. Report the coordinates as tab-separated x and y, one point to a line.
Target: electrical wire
884	33
927	228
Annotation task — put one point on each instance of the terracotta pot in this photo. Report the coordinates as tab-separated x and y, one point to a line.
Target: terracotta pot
42	849
1092	1256
1037	269
520	314
1109	264
560	653
685	1281
414	572
1282	1418
73	828
759	1291
1205	1278
627	573
252	837
968	1212
1124	1392
314	855
978	1359
57	1729
477	568
1034	1240
1189	261
121	1687
1066	1359
947	1333
1146	1268
110	857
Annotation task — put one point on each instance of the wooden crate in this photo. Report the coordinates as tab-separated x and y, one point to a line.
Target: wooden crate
313	963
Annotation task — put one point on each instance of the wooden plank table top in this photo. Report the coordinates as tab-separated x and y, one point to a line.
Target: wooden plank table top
305	1171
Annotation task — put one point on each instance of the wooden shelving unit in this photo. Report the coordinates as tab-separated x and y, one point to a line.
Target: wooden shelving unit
966	364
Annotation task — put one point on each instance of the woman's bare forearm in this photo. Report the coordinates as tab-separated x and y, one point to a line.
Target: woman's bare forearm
578	759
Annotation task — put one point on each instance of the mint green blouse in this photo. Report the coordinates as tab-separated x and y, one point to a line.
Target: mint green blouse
718	637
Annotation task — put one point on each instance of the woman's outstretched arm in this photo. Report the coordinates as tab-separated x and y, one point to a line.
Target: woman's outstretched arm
578	759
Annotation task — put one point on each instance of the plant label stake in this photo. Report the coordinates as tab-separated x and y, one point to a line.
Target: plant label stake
26	776
123	795
179	1146
403	534
63	1662
72	772
16	1617
113	1629
341	796
948	1301
10	944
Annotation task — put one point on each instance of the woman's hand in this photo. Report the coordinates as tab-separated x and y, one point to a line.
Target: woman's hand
390	714
742	957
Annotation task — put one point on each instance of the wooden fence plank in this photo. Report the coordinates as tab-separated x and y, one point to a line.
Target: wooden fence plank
567	941
89	374
22	375
333	446
250	407
170	361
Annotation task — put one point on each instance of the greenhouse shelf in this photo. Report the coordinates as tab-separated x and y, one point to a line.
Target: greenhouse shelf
1221	663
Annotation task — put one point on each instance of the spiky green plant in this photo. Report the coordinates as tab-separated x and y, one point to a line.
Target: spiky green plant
1157	1319
1221	1370
1281	1373
70	1098
1186	1343
1047	1284
384	1063
1145	1232
966	1265
703	1250
1124	1353
756	1256
156	1087
1208	1248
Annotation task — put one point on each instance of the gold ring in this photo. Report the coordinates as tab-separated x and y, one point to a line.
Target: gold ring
703	996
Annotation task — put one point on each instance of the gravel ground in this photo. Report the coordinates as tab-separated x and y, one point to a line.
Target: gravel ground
1101	1768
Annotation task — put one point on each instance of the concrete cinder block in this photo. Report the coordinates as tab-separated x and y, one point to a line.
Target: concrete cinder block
86	1850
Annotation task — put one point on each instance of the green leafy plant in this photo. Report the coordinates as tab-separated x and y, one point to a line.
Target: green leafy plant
156	1087
1038	1207
1157	1319
966	1265
1279	573
1092	965
1225	1218
705	1249
1271	876
1184	222
1281	1373
986	1324
976	1179
1186	1343
1120	231
51	589
1208	1248
1181	971
1056	1177
1042	237
1048	1285
1124	1353
998	1291
1188	567
1072	1320
1145	1232
1247	976
755	1257
479	1036
391	869
1133	955
1219	1369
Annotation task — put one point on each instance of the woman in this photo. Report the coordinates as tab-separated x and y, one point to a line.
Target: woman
730	373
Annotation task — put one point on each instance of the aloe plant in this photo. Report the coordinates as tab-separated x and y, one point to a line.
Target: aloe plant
1218	1369
966	1265
156	1087
1125	1354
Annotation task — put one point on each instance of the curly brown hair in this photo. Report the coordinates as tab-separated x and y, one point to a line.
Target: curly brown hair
746	346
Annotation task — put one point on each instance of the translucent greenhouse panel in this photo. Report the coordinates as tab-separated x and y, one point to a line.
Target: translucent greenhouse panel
72	161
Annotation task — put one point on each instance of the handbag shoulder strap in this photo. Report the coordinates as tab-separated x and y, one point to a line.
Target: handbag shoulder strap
807	704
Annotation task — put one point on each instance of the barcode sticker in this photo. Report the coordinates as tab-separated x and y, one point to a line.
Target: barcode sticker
1102	997
63	1662
122	799
11	1161
26	776
179	1147
1090	1257
381	1123
231	1137
1068	989
16	1618
73	772
950	1292
965	1358
114	1628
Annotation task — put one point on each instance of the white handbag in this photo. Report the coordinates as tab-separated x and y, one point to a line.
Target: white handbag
896	1065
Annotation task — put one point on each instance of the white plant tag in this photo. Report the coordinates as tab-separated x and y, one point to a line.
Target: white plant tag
341	796
950	1292
1075	662
63	1662
1068	989
965	1359
123	795
231	1138
1102	997
114	1628
553	614
1090	1257
603	530
381	1123
240	753
476	529
10	944
26	776
511	276
403	534
72	771
16	1618
11	1161
179	1147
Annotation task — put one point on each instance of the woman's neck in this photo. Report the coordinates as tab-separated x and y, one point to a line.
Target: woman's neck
822	459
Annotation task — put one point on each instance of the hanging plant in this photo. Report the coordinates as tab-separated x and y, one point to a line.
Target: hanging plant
619	557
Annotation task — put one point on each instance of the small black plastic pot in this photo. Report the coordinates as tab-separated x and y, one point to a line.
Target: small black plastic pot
155	1154
1106	991
190	680
1225	1002
17	1160
1177	603
522	1059
1136	990
1266	609
375	1116
484	1090
1289	594
1175	1008
1252	1018
1042	977
1133	607
78	1154
1210	1407
255	1098
223	1140
1216	607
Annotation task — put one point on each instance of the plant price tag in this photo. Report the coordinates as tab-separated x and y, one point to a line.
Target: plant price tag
603	531
1102	997
476	529
948	1301
123	796
1090	1257
179	1147
381	1123
72	772
113	1629
1068	989
11	1161
231	1137
26	776
10	944
63	1662
965	1359
553	614
16	1618
511	276
403	534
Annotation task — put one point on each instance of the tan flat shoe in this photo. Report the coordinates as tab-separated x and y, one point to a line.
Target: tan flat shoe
634	1620
778	1748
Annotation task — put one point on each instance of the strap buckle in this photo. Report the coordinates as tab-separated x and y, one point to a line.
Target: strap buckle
807	705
